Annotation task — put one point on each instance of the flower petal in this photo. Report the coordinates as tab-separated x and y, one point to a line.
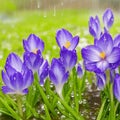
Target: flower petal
74	43
114	56
102	65
43	71
79	71
101	80
58	69
105	43
68	58
33	42
17	82
7	90
62	36
10	70
53	77
6	79
91	53
65	77
14	61
116	87
117	40
27	79
108	19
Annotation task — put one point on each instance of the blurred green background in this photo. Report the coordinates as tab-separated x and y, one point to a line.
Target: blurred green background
19	18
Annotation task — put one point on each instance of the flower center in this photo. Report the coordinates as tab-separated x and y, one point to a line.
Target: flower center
102	55
67	44
35	51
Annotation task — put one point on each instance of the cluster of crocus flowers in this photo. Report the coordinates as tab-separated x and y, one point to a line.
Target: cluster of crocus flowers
33	58
60	68
16	77
95	27
104	54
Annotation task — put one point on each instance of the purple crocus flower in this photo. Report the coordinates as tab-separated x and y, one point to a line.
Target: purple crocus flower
117	41
79	71
68	58
116	87
108	19
33	61
99	57
58	75
33	44
94	27
43	71
65	39
101	80
16	77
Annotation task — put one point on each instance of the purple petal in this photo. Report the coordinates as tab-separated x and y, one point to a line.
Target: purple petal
14	61
94	27
33	61
43	71
91	66
58	69
68	58
62	36
9	70
65	77
105	43
114	56
117	40
25	91
6	80
101	80
102	65
116	87
7	90
28	79
108	19
79	71
91	53
26	46
74	43
17	82
33	42
53	77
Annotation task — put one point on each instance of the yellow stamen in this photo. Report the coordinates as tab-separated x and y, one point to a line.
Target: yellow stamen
67	44
35	51
102	55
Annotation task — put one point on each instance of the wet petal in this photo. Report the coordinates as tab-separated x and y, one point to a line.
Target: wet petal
17	82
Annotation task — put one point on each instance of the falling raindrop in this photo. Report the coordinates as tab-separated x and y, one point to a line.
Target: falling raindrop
54	11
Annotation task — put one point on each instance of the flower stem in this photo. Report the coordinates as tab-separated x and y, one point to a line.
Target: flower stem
112	114
19	103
